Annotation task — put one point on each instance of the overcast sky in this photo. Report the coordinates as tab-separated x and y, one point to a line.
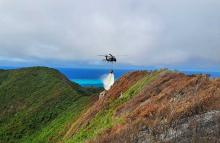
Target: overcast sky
150	32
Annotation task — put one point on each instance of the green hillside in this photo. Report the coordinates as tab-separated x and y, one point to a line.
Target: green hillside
38	104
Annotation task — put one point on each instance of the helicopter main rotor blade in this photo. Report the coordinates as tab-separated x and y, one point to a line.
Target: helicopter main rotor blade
121	55
101	55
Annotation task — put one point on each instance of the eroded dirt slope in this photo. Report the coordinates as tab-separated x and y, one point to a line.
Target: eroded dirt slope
158	106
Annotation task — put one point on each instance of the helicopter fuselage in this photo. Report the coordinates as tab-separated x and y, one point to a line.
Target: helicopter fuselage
110	58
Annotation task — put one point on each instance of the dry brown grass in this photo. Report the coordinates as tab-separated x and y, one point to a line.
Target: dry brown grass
171	97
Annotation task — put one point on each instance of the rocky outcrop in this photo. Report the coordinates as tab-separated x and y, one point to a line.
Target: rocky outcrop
199	128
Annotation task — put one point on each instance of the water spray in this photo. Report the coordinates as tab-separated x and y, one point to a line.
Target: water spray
108	80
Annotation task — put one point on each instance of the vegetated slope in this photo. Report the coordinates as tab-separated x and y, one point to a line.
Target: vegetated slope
37	104
157	106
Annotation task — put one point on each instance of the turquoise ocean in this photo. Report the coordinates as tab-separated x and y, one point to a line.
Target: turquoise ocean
93	77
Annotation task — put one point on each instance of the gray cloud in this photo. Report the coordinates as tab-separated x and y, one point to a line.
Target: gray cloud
150	32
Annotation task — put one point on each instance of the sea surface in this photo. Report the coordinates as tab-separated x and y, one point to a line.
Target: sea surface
90	77
93	77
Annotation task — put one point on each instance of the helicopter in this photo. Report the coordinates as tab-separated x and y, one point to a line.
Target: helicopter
109	58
